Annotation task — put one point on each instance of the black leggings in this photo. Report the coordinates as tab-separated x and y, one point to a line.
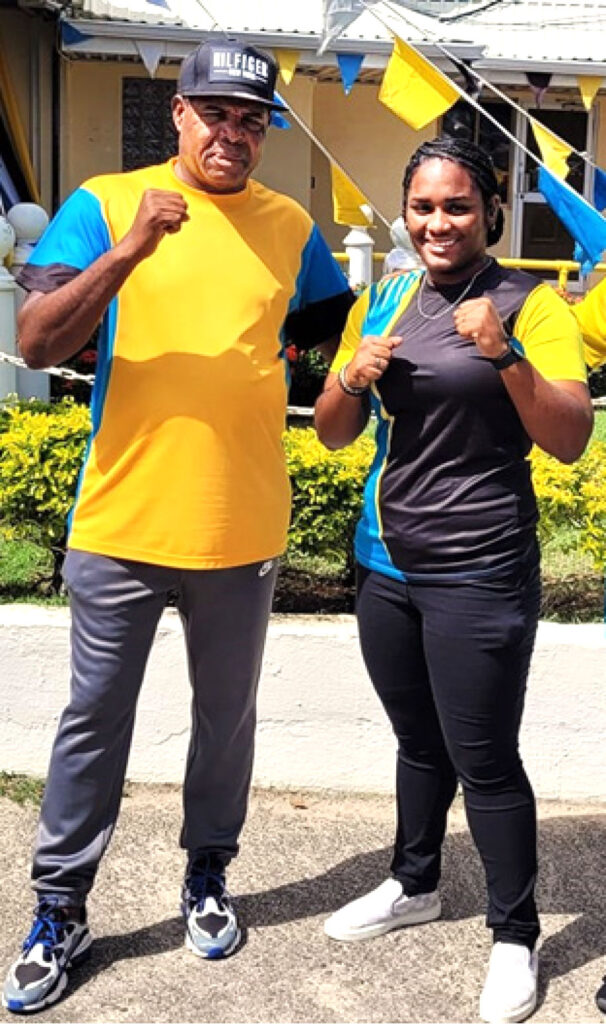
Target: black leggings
449	663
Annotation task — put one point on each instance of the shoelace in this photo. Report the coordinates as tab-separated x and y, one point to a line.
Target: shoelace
45	929
206	883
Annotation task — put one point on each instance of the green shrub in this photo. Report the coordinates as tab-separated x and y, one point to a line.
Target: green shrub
327	494
41	450
572	500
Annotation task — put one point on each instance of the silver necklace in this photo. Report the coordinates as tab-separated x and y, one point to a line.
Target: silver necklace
466	290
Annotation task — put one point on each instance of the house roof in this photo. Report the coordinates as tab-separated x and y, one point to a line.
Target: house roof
565	36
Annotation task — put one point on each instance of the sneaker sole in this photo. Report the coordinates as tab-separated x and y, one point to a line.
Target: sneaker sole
381	928
214	952
58	988
515	1017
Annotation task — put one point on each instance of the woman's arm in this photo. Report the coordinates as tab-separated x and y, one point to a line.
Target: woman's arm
557	414
343	408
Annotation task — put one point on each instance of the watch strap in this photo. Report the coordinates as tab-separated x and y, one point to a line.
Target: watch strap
514	354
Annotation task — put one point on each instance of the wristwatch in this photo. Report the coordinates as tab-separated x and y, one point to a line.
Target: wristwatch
514	354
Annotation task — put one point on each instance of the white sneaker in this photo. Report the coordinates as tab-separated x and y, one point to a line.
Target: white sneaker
510	991
381	910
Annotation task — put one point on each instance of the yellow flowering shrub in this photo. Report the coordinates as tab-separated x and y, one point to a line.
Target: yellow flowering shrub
574	496
327	493
41	451
42	447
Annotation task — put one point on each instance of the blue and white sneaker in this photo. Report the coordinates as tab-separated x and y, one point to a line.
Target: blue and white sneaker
59	939
211	924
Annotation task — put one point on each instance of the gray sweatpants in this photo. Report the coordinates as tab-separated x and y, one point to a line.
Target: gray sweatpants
115	606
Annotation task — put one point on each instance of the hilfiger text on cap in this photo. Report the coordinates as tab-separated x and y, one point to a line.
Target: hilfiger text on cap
237	63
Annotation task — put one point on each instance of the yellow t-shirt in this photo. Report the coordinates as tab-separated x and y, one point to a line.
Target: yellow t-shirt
185	465
591	316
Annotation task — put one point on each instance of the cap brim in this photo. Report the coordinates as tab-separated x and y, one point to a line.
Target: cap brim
219	94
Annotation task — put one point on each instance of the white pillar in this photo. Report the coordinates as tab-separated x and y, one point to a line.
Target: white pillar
359	246
28	221
8	377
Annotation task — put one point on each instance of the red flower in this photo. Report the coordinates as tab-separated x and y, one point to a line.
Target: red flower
291	353
88	357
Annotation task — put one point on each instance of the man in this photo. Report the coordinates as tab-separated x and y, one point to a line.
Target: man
200	276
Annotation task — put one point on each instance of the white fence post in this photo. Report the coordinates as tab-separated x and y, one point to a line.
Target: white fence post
28	221
359	248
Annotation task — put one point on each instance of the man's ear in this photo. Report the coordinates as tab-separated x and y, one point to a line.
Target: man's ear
178	106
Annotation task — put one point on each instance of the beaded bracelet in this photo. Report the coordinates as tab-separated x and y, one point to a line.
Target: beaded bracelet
347	388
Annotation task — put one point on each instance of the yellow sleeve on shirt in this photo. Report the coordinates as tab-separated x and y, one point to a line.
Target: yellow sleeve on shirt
591	316
352	335
550	335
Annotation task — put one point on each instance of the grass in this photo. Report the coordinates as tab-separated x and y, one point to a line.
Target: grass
599	430
22	789
24	566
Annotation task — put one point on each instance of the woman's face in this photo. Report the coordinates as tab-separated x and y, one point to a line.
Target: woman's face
447	220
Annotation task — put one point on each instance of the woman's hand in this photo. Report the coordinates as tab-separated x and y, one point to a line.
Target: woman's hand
371	360
478	320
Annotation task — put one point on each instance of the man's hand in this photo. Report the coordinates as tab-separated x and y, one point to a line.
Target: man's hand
479	320
371	360
160	213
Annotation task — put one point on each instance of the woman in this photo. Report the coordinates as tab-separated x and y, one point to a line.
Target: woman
466	364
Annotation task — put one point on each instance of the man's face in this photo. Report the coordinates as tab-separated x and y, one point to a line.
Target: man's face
220	141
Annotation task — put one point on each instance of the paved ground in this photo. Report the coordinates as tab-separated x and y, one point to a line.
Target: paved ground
302	856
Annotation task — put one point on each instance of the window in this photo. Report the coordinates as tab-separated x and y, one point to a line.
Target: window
463	121
148	133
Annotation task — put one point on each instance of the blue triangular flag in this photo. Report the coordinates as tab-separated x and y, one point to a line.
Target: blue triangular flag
585	224
599	189
349	63
70	34
276	118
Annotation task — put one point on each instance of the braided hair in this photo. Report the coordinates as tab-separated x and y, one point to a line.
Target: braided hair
474	160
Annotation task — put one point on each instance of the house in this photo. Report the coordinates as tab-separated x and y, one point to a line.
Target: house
91	80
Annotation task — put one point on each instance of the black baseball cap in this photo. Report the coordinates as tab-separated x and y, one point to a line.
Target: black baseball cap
232	70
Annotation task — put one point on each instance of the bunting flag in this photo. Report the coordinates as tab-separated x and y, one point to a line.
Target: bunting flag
583	222
337	15
276	117
599	189
287	61
588	86
349	65
414	89
348	202
150	53
555	151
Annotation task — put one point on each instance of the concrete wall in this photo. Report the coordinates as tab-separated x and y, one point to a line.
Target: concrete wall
320	724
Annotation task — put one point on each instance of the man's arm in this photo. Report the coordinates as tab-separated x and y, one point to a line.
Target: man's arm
53	326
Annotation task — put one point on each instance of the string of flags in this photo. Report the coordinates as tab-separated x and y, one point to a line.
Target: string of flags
418	92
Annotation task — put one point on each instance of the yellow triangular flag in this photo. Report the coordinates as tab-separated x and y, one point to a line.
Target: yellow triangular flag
287	61
553	150
414	89
347	200
589	85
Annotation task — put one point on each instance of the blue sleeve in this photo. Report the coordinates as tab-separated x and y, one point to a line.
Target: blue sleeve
76	236
320	276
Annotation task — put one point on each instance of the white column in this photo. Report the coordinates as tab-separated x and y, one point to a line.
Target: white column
28	221
8	377
359	246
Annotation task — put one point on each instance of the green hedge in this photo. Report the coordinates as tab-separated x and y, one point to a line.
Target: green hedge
41	450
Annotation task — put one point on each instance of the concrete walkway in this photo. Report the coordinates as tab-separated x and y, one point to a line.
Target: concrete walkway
302	856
